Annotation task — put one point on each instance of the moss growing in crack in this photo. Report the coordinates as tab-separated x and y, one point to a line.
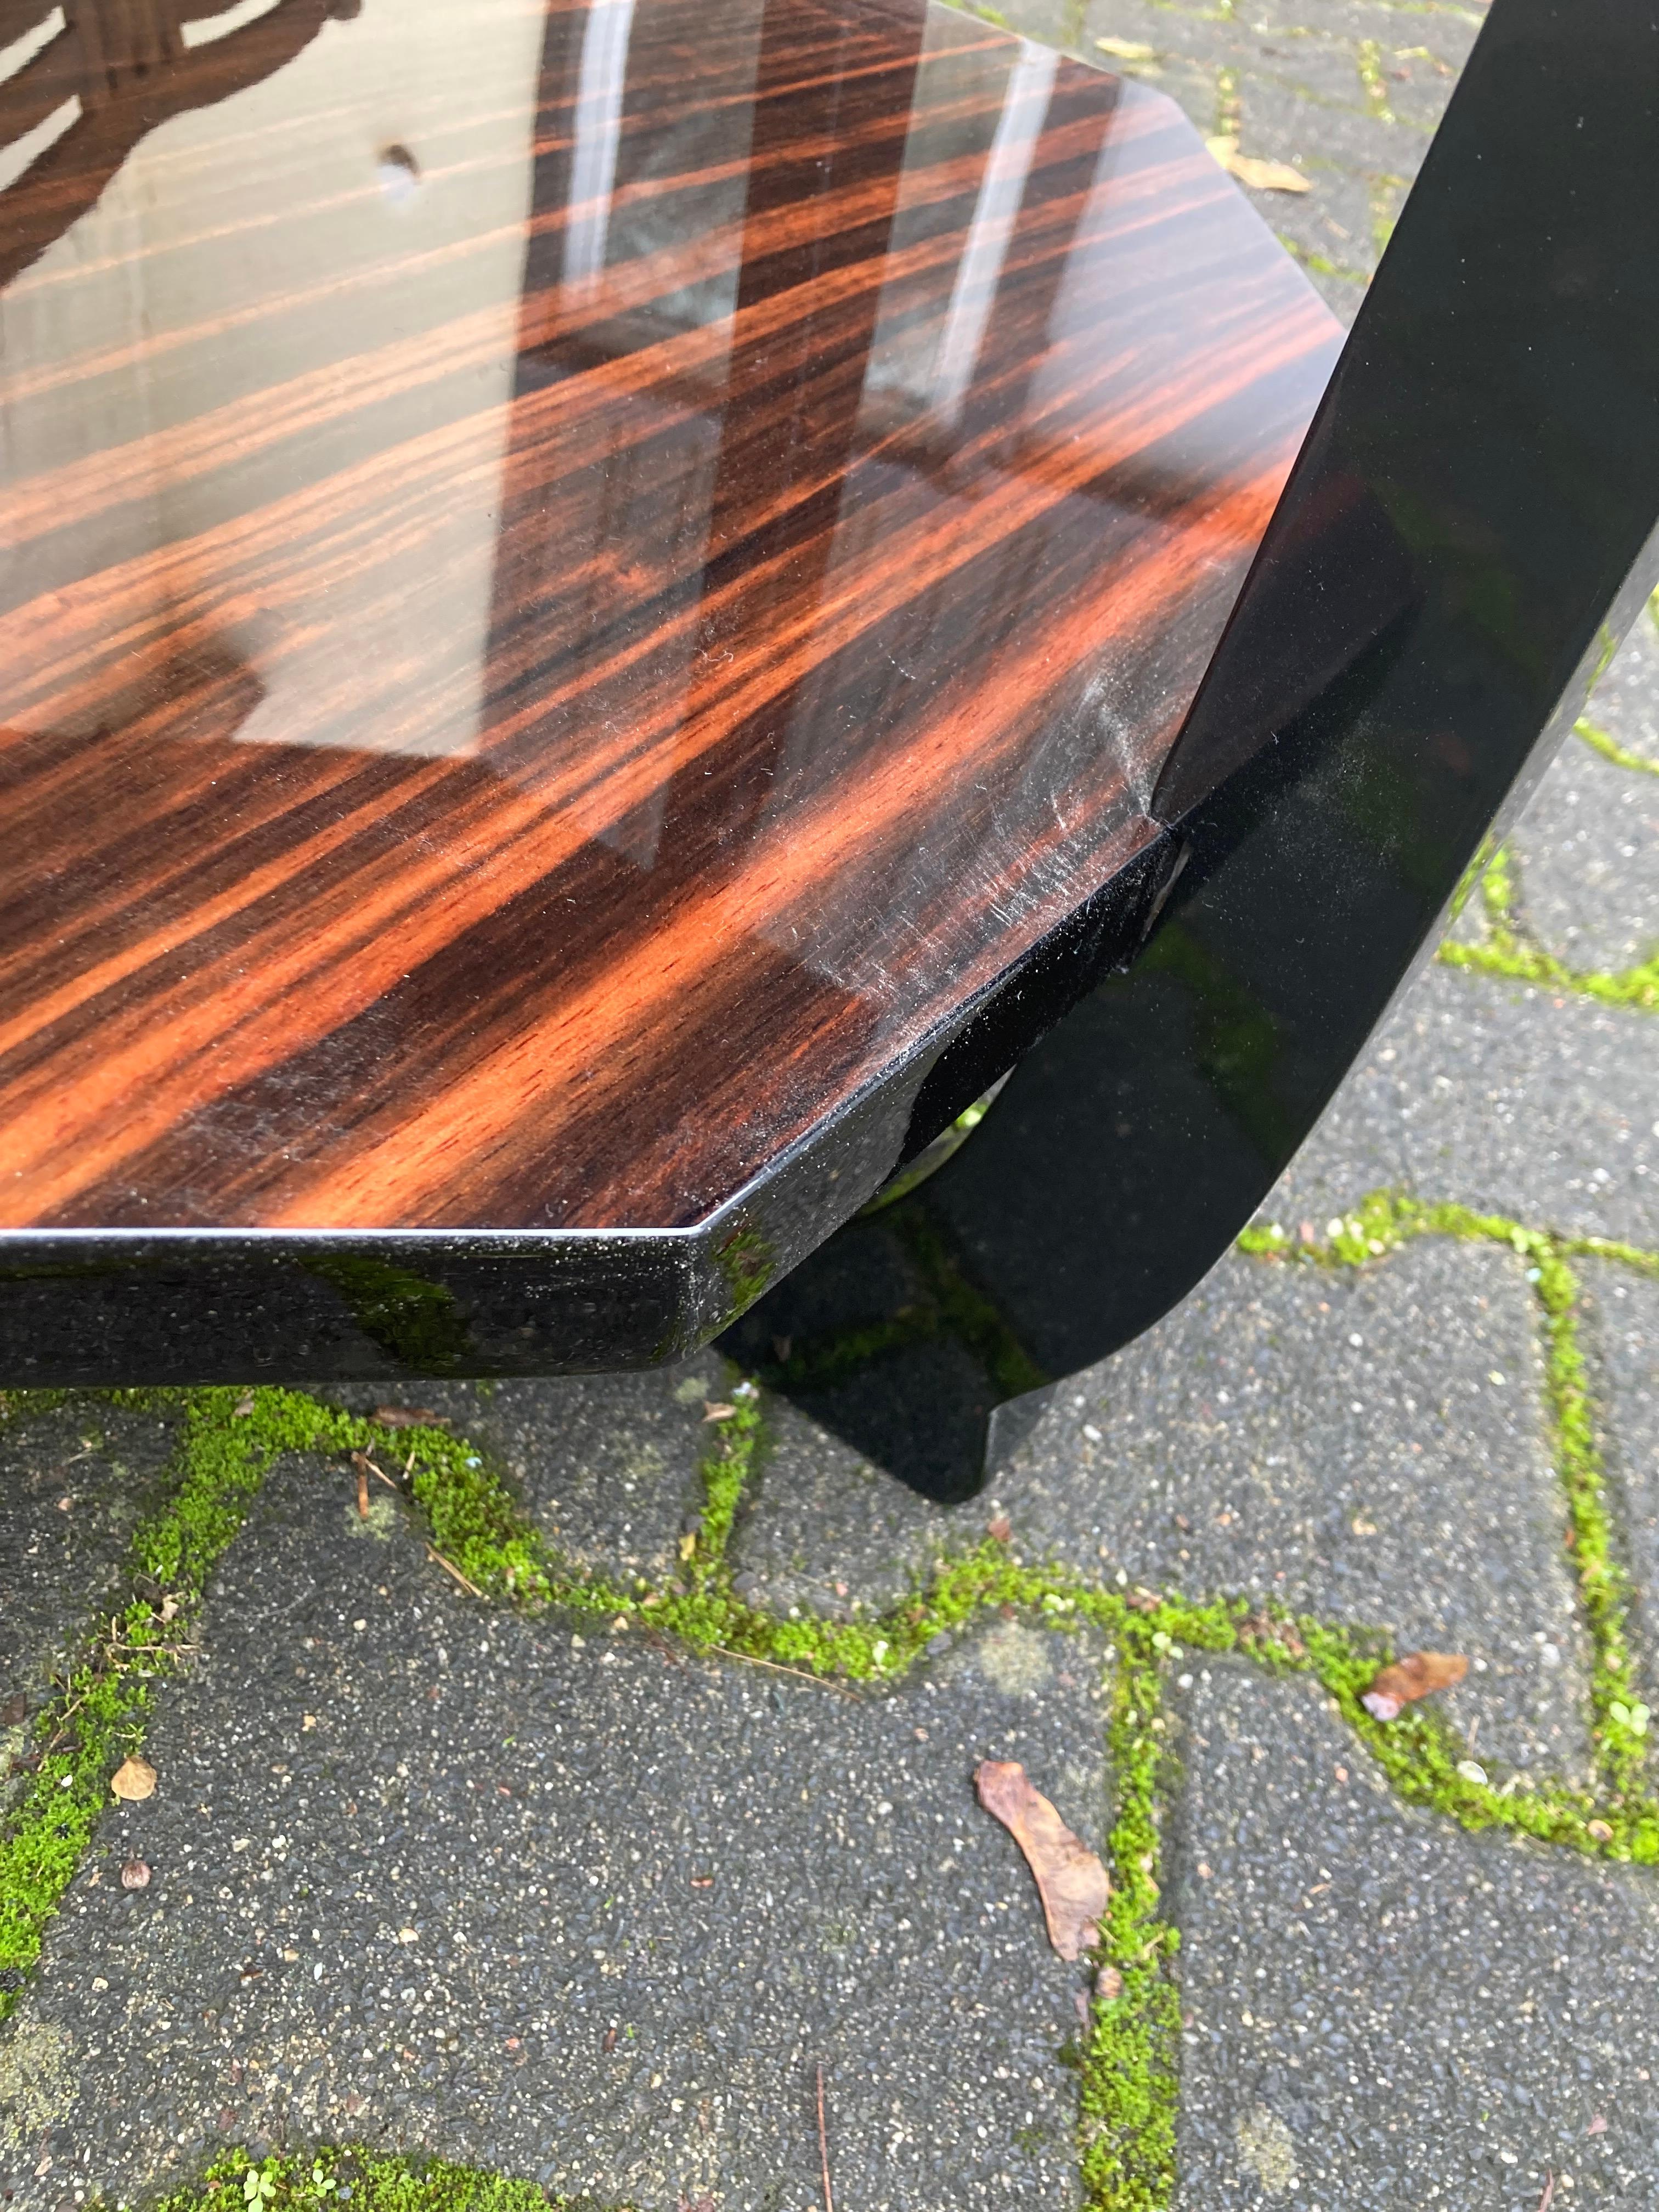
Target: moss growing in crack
1611	749
228	1441
724	1470
1128	2061
98	1716
323	2180
1130	2070
1383	1221
1508	951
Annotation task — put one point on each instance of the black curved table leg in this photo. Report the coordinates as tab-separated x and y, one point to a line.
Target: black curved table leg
1467	533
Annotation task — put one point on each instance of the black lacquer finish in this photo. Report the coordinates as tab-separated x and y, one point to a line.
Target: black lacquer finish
1466	536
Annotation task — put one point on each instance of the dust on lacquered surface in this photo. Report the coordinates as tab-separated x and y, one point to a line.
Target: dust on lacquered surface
573	578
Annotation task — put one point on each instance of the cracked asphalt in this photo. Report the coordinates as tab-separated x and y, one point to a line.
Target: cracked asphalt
572	1905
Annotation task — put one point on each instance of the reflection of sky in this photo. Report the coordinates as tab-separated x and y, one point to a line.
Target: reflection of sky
1002	188
922	367
598	119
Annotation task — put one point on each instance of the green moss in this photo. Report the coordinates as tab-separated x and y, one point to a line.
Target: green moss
724	1470
1372	82
1382	1223
1320	265
1130	2091
1509	951
98	1716
1129	2056
1610	748
311	2180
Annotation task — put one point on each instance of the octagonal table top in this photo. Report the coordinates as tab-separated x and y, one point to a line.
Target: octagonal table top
576	580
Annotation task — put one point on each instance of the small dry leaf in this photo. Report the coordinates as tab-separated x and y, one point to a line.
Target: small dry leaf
1071	1881
1601	1831
1259	1628
170	1607
410	1417
1000	1529
132	1779
711	1413
135	1874
1418	1674
1260	176
1598	2125
1126	50
1108	1985
609	2042
244	1406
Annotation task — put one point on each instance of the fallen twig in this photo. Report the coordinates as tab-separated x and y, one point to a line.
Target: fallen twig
800	1674
450	1568
1548	2197
824	2145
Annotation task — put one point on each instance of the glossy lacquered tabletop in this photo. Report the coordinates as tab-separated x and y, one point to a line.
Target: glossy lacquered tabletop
575	580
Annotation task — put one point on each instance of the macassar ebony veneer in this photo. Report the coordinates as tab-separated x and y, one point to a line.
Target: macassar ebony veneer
581	583
610	610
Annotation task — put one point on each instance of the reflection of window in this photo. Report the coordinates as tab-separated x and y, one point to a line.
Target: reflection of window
81	86
598	132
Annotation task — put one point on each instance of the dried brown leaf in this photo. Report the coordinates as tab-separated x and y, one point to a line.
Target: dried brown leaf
1260	176
711	1412
1126	50
1418	1674
134	1778
999	1528
1071	1881
410	1417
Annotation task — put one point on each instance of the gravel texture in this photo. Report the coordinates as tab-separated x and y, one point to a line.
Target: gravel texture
1623	1339
1587	859
571	1905
1513	1100
1380	2011
1412	1486
73	1485
606	1464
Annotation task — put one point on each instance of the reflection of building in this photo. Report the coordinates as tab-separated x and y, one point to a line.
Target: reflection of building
88	79
260	300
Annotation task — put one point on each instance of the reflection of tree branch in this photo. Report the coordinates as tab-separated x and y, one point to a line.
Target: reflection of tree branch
127	63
